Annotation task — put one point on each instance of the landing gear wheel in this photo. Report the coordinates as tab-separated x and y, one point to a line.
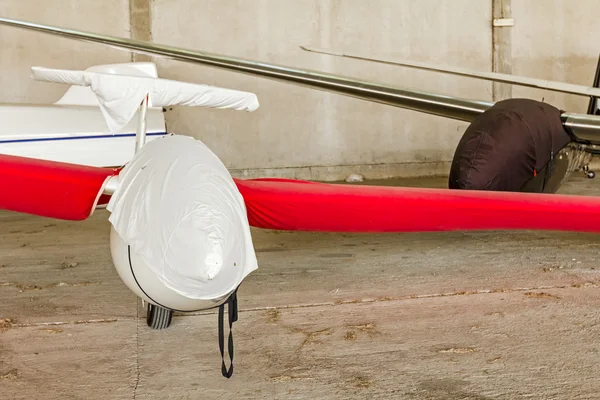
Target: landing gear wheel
158	317
588	173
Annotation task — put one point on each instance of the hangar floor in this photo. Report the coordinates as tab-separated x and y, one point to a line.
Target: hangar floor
489	315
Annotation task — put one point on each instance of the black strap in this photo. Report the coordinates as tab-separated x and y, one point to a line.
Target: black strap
233	317
549	170
232	312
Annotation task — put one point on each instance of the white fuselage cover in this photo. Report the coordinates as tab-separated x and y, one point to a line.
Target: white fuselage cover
186	223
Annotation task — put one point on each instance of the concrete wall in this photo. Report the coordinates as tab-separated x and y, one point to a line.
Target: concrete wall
304	133
300	132
20	49
556	39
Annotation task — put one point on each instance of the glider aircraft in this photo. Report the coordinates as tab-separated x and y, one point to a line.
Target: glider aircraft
180	224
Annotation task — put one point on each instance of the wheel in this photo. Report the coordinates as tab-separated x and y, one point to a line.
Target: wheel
591	174
158	317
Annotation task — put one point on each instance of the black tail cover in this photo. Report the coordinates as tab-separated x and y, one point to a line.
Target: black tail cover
508	146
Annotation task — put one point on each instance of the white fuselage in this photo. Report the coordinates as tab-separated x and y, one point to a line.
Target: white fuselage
74	134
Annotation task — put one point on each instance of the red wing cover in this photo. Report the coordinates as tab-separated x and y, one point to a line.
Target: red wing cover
71	192
50	189
306	206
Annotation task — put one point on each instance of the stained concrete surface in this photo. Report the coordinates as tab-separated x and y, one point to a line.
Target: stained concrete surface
461	315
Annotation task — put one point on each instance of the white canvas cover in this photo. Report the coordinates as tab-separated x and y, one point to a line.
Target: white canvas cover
120	96
179	209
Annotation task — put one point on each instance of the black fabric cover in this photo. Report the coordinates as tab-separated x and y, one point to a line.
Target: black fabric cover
507	146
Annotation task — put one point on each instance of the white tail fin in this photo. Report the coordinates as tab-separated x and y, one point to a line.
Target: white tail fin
83	96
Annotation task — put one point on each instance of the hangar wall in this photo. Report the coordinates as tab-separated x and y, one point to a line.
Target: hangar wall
20	49
303	133
558	40
300	132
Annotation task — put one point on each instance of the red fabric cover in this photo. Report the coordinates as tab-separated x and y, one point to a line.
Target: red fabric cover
68	191
306	206
50	189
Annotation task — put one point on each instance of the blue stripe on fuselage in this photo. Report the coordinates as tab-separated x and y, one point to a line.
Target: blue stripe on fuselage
78	137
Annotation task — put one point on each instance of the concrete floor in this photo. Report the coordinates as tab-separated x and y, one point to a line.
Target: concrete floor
489	315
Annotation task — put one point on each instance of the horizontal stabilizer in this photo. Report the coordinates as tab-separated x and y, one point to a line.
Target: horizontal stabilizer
490	76
119	96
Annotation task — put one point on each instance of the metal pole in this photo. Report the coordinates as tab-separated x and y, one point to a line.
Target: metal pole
593	105
140	140
140	137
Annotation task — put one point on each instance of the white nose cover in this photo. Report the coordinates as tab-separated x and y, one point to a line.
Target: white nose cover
180	211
